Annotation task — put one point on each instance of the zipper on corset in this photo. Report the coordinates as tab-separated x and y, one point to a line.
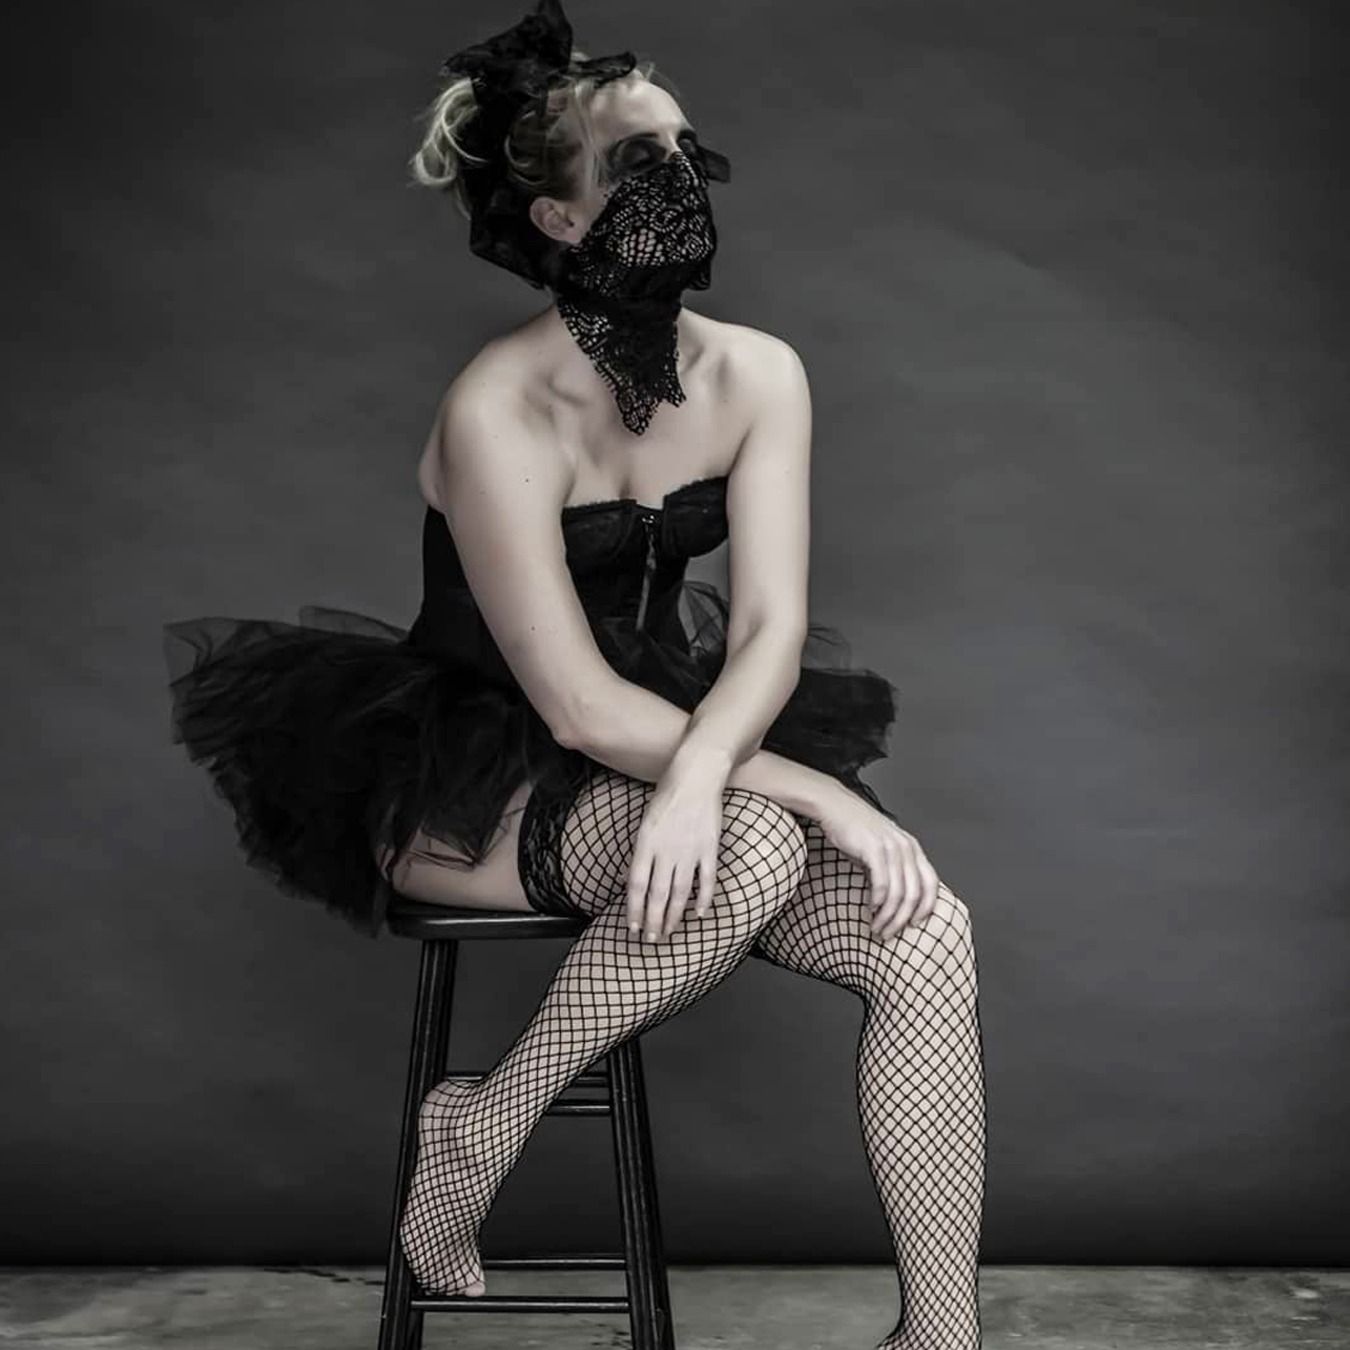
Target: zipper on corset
649	518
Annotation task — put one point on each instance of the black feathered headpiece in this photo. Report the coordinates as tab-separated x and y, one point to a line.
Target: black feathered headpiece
512	71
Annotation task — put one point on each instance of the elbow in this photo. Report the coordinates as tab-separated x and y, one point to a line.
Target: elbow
787	633
567	733
579	725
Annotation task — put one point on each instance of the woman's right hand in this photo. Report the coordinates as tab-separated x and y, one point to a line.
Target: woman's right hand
680	832
902	883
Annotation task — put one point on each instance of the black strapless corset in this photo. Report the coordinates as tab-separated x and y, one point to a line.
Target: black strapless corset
627	560
344	732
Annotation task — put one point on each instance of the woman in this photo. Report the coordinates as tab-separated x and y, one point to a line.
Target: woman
572	726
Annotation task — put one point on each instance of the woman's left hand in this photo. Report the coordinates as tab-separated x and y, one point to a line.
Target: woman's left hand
904	884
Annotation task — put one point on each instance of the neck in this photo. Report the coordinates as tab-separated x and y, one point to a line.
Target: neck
575	371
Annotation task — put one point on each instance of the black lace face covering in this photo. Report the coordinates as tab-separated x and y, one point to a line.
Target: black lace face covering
619	288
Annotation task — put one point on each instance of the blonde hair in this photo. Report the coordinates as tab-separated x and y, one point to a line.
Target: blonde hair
541	149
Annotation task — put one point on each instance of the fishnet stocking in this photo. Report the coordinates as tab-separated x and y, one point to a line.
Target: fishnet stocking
612	985
920	1080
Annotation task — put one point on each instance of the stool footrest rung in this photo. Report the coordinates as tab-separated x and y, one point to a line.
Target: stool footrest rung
610	1086
561	1261
595	1078
579	1109
541	1303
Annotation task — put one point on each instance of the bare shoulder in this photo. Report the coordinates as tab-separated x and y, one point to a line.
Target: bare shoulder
758	365
484	411
755	344
763	376
489	380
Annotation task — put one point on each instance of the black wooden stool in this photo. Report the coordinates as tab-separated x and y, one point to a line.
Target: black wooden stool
439	928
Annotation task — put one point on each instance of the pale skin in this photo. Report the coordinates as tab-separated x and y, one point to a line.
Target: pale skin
528	427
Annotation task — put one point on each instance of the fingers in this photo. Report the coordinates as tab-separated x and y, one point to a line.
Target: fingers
658	904
931	882
654	909
649	895
888	886
881	886
707	876
639	878
699	882
691	889
908	889
681	884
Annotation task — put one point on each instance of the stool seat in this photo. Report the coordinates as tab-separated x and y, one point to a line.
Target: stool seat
440	923
618	1074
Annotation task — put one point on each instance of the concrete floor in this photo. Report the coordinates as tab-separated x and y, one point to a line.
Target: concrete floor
715	1307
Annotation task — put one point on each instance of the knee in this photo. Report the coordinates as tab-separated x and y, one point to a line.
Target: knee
941	945
951	911
762	848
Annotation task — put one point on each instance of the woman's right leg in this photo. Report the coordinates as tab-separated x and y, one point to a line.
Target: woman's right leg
612	985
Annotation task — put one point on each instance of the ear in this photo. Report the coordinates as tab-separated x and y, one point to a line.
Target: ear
553	218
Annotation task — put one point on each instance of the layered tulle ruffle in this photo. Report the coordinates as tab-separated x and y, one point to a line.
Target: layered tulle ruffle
335	736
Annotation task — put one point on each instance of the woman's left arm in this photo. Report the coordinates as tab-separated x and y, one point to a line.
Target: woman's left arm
769	522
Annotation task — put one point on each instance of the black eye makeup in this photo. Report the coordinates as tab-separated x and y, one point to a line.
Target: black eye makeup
643	151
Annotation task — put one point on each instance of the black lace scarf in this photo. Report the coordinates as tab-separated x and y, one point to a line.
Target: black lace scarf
619	289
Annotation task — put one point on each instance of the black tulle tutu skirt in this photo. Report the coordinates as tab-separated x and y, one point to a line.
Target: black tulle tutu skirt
337	736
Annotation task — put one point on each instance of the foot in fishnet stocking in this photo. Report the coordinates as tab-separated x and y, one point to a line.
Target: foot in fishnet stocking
920	1081
612	985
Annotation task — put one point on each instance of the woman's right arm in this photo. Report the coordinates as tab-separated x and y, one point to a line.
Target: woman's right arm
503	504
502	501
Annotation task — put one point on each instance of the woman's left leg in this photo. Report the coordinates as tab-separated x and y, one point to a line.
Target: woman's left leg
920	1080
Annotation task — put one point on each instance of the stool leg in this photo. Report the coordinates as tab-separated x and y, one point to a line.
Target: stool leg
401	1325
644	1251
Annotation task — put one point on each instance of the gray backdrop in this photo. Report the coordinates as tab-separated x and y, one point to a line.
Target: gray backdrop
1065	275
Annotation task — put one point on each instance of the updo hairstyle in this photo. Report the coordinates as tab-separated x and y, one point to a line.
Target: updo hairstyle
541	150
